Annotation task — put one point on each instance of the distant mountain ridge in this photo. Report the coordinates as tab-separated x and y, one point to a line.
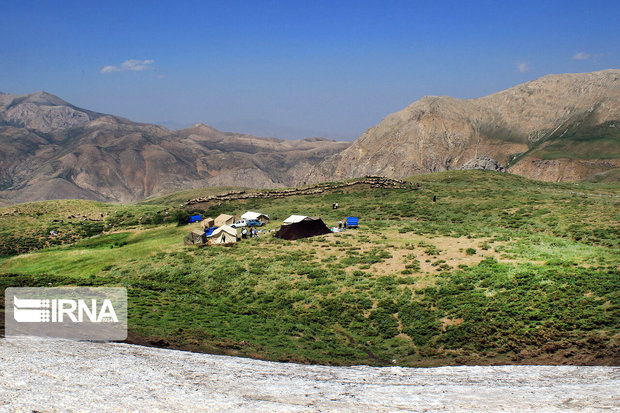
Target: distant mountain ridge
50	149
555	128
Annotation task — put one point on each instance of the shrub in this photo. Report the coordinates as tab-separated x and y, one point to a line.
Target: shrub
181	217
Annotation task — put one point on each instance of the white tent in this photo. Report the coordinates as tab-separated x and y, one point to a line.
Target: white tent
295	218
224	235
255	215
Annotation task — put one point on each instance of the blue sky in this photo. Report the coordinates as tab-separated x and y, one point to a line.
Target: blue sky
293	68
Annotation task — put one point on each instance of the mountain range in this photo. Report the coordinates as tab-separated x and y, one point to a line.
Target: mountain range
50	149
557	128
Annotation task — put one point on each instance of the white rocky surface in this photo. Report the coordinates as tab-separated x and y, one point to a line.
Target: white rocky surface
484	163
57	375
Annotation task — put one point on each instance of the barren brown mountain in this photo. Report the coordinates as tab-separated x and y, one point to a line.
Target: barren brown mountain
50	149
556	128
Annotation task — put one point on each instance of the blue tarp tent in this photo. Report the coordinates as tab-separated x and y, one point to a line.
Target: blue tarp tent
209	231
195	218
352	221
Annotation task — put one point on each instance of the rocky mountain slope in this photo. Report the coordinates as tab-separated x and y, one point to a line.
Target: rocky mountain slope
50	149
41	111
556	128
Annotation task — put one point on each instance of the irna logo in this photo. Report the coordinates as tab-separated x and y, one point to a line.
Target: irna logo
29	310
85	313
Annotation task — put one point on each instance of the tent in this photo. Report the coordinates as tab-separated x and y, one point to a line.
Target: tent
256	215
195	237
224	235
305	228
207	223
351	222
224	219
295	218
195	218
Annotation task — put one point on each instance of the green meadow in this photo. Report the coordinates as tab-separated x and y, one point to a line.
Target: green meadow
500	269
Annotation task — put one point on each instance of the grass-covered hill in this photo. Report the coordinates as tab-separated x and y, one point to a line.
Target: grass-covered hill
500	269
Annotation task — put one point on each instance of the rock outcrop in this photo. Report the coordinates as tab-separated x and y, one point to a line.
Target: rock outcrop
483	162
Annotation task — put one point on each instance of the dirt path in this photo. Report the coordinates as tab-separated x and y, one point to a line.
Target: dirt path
56	375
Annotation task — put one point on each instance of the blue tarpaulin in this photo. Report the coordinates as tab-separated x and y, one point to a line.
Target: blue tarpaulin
352	221
195	218
209	231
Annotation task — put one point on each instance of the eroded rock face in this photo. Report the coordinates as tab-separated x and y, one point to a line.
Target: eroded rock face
441	133
484	163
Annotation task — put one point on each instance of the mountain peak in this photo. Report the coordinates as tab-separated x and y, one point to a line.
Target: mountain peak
44	98
41	111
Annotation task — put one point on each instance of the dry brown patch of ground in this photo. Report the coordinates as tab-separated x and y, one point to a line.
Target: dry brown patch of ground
452	251
445	322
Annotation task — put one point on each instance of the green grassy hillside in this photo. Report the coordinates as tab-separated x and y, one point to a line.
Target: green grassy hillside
599	142
27	227
500	269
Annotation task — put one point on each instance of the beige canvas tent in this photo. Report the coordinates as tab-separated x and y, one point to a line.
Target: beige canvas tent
224	235
195	237
256	215
224	219
207	223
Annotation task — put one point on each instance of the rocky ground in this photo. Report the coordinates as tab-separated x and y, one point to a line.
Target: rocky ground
58	375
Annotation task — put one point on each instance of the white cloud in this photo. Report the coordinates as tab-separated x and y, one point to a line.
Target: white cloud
133	65
582	56
523	67
109	69
587	56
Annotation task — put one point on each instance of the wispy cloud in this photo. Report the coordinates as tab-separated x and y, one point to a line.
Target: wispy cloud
588	56
523	67
582	56
133	65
